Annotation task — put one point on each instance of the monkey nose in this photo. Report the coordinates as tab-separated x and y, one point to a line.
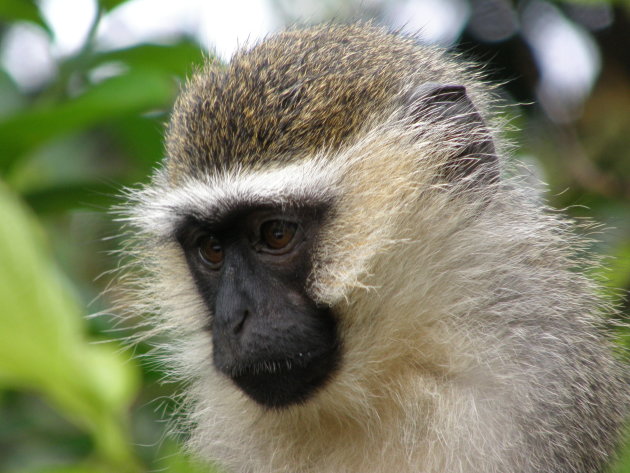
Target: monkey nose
239	322
233	325
231	316
227	338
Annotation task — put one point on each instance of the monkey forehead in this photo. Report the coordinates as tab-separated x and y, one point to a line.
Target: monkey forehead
293	95
161	208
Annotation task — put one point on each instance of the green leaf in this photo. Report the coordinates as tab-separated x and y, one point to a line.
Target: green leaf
65	197
142	139
133	93
10	96
619	275
110	4
175	461
42	342
71	469
179	59
622	465
15	10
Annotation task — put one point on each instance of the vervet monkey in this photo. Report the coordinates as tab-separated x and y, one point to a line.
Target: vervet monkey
350	282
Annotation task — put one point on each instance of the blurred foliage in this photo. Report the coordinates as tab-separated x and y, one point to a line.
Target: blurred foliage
69	404
42	345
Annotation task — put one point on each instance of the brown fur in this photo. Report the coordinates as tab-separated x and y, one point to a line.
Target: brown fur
299	92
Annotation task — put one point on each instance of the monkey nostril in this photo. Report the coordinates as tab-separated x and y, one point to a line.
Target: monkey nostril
238	327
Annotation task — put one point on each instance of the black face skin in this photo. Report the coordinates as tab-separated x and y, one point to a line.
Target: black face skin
268	335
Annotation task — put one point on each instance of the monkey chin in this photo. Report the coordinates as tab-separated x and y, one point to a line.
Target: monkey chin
276	384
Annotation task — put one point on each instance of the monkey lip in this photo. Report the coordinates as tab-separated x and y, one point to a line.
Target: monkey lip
283	382
270	367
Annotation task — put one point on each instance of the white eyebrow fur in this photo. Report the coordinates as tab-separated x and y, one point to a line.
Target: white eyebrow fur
161	207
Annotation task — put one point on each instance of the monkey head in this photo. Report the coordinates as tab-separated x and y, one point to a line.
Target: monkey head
292	182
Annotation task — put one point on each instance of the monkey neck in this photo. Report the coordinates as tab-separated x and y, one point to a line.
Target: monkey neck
423	414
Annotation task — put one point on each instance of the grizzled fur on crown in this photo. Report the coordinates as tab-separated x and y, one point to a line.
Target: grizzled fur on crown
297	93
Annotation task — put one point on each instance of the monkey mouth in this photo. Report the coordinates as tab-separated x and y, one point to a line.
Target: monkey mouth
277	383
270	367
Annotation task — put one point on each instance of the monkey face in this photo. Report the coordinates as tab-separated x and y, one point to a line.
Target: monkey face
269	336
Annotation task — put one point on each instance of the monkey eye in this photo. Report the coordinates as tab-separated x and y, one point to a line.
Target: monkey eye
277	235
211	251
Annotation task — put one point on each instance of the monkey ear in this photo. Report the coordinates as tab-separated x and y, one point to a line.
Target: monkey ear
449	107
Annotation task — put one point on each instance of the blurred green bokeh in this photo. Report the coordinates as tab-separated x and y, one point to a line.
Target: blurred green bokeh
73	399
